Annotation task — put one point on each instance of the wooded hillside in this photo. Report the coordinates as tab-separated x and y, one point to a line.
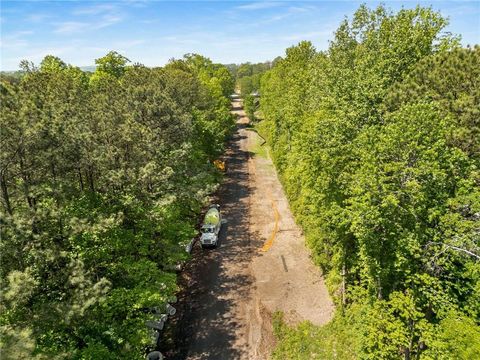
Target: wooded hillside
377	143
102	179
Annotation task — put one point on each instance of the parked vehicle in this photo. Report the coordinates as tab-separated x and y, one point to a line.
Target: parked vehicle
211	227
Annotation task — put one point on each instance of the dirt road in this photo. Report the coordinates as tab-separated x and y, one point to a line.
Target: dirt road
261	265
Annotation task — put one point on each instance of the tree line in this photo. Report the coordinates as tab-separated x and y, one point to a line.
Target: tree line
247	78
248	75
102	177
377	142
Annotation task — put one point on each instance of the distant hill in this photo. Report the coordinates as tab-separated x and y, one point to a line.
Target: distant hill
11	76
90	68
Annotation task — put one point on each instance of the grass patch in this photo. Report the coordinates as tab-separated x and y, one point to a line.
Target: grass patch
259	146
305	341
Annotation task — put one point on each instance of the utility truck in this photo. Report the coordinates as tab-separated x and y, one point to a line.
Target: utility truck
211	227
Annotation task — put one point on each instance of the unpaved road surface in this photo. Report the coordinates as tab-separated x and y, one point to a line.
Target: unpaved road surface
261	265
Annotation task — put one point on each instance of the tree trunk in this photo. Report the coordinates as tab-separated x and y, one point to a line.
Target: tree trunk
26	185
6	197
90	179
344	299
80	178
379	286
54	174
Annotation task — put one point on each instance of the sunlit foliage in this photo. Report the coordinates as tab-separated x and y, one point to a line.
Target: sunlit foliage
102	178
376	141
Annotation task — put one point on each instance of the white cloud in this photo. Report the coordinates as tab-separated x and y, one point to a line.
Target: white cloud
21	33
37	18
125	45
461	10
68	53
290	11
109	20
89	18
149	21
258	5
301	9
15	40
9	44
273	18
70	27
95	9
136	3
312	35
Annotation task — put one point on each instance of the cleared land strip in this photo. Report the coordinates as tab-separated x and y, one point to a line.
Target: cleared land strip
261	266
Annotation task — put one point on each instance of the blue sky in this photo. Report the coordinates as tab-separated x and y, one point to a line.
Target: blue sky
152	32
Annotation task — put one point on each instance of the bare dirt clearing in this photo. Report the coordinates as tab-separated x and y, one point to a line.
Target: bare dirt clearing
261	265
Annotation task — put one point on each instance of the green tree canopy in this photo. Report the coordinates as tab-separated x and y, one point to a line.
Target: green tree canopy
102	182
376	141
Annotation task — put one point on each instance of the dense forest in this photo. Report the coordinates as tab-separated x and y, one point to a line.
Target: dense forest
377	142
102	175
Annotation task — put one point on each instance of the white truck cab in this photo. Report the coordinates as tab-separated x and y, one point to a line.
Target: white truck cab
211	227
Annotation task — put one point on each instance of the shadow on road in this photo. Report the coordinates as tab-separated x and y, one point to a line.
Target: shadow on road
217	282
